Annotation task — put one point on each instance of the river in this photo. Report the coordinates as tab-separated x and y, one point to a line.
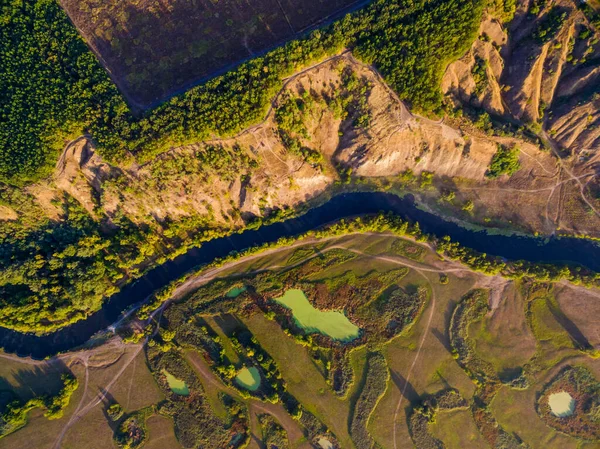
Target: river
559	250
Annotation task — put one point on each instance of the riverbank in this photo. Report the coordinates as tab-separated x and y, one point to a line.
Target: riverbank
553	250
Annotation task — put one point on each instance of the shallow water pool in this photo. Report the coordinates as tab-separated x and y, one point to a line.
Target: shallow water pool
331	323
249	378
562	404
177	386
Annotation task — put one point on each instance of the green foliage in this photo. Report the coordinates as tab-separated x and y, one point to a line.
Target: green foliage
59	273
426	179
503	9
479	73
448	196
52	274
399	308
483	121
536	7
471	309
468	206
425	413
55	405
411	43
389	223
115	411
549	25
15	415
52	87
273	435
590	13
131	431
584	388
196	424
418	425
505	161
290	121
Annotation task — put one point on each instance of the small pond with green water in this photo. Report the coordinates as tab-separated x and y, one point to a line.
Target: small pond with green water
177	386
249	378
235	292
331	323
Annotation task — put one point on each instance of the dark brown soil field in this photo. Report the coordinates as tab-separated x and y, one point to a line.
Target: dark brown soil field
153	48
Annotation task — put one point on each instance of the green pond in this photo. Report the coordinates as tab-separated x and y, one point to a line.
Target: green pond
330	323
249	378
235	292
177	386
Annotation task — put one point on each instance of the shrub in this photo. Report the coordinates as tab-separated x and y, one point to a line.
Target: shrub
505	161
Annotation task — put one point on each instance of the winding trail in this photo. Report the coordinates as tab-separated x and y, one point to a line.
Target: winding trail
417	355
291	427
267	116
569	172
294	433
195	281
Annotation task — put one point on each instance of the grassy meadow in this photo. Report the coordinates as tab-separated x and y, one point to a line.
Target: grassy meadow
494	344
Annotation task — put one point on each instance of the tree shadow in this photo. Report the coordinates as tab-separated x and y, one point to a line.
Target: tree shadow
27	383
580	340
443	339
108	400
406	388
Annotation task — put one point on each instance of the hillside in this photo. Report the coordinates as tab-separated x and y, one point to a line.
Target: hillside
541	69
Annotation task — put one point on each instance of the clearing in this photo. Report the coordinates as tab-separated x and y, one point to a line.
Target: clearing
154	48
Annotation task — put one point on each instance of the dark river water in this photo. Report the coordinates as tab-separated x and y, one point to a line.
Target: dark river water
572	250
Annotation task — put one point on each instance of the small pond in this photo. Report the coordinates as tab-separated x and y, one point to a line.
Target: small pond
562	404
177	386
249	378
325	443
331	323
235	292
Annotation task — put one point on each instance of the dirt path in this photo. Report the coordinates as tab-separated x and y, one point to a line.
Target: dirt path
82	409
414	362
295	433
267	116
194	282
61	163
556	152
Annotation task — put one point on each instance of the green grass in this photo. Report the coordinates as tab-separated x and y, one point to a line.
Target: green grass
504	162
457	430
304	380
545	327
515	412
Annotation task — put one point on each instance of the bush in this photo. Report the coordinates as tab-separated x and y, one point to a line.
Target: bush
505	161
374	387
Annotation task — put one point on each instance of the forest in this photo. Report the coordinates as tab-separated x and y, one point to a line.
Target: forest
55	273
409	41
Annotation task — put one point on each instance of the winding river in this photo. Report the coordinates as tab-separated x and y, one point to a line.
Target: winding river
572	250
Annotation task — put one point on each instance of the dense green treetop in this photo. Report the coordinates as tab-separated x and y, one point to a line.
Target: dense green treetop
50	86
